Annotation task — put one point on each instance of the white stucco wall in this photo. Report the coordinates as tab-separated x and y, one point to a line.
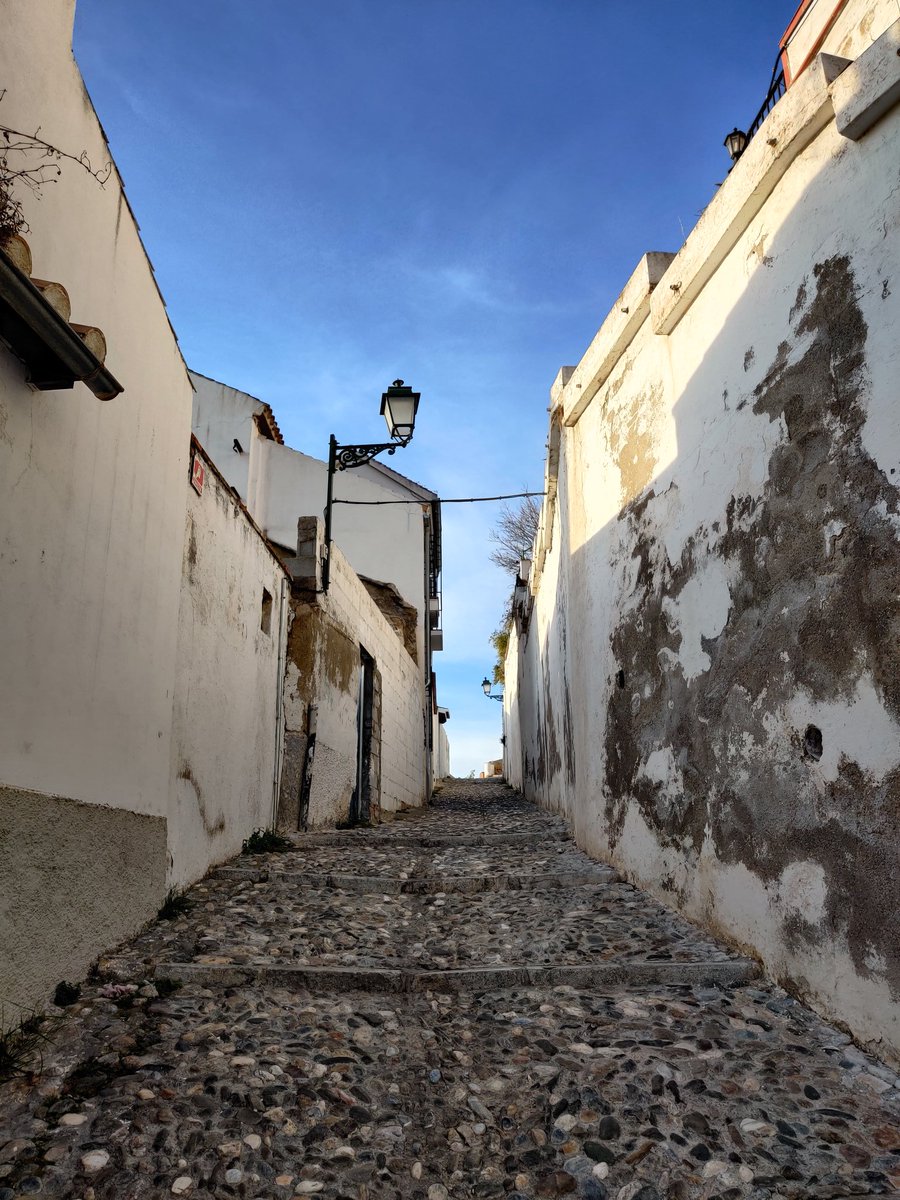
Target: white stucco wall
227	680
847	32
539	751
386	543
730	499
91	493
221	416
91	532
440	756
517	675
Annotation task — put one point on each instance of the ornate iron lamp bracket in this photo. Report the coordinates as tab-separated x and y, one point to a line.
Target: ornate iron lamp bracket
347	457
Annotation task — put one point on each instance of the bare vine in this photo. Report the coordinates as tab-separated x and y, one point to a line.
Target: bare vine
514	533
513	536
28	160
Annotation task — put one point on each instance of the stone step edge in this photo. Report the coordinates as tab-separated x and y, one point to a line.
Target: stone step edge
476	979
370	838
423	885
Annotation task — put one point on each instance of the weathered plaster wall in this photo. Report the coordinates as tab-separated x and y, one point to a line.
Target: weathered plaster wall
91	493
77	879
91	533
538	699
403	618
323	665
231	628
732	571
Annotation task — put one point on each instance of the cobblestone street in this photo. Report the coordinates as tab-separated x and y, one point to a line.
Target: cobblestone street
455	1004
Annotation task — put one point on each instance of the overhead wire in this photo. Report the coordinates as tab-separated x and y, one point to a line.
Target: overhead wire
441	500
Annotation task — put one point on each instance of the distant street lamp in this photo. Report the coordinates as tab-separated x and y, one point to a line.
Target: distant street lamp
486	688
736	143
399	405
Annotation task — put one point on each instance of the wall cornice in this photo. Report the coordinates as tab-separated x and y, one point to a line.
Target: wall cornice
613	338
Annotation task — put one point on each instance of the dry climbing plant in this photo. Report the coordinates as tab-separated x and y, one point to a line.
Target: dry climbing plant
29	161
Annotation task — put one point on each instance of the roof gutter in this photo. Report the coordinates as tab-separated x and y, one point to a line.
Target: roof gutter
54	353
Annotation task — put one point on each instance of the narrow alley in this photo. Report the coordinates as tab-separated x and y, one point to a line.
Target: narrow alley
459	1003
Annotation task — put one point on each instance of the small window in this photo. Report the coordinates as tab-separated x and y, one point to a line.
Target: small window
265	619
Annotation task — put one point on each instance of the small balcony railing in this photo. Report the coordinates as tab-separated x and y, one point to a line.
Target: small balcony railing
777	88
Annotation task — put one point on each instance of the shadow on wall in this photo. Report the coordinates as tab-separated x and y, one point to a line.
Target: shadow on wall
738	691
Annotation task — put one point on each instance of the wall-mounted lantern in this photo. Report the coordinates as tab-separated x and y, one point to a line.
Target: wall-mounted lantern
486	688
399	405
736	143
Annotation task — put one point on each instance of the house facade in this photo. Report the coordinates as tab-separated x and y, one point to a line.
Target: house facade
388	530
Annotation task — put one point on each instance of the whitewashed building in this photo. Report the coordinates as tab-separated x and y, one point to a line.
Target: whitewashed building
388	529
149	632
703	676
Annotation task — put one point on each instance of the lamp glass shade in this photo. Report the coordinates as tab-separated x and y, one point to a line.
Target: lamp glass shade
486	686
736	143
398	407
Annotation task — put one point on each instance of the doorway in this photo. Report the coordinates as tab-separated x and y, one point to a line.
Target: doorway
361	800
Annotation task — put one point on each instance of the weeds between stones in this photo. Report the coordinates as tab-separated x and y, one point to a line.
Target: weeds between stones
21	1043
175	905
263	841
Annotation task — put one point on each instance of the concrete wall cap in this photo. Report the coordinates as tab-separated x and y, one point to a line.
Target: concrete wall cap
795	121
613	338
870	87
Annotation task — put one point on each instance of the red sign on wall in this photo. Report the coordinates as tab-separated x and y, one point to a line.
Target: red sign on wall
198	474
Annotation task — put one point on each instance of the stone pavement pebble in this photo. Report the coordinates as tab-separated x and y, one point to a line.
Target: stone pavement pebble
267	1092
363	858
332	927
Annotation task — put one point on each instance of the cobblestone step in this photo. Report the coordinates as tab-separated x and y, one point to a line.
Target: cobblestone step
466	885
556	856
256	924
466	979
374	837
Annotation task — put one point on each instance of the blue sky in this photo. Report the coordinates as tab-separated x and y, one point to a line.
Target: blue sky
335	193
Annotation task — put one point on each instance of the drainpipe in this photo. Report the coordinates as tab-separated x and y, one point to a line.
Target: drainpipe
279	699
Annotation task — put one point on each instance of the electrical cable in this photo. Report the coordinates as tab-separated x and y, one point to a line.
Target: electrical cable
456	500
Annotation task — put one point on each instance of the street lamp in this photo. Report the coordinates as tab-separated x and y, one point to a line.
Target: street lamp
486	688
399	405
736	143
